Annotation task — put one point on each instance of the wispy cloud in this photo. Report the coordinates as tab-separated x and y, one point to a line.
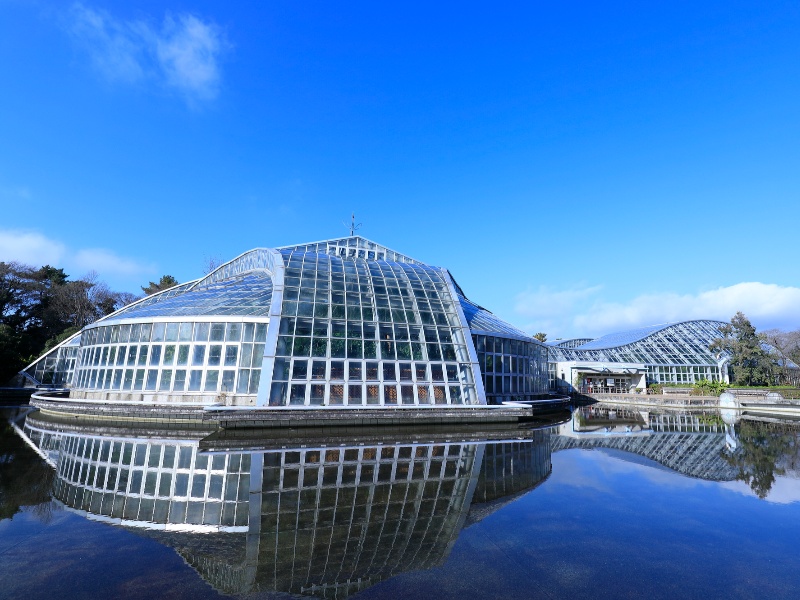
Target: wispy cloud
34	248
583	312
182	54
31	248
106	261
15	192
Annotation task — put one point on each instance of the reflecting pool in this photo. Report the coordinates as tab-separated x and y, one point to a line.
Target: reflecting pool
605	502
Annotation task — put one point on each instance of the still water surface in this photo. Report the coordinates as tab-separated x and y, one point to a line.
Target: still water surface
607	503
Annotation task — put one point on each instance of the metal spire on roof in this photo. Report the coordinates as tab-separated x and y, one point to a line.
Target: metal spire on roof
353	227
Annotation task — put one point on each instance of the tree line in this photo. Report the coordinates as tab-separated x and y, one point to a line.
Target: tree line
759	359
41	307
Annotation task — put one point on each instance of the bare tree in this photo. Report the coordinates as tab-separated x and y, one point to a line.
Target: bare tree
211	263
786	346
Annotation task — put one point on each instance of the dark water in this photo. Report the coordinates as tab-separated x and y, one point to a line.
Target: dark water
609	503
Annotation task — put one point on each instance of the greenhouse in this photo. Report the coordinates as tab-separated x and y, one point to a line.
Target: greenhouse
342	322
669	353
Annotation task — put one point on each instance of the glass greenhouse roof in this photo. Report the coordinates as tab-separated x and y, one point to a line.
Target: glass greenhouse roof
682	343
620	338
571	343
353	247
480	319
248	294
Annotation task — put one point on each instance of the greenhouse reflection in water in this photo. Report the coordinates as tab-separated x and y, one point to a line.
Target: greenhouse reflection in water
327	521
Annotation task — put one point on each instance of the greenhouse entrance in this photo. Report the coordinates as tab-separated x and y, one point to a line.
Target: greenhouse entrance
615	384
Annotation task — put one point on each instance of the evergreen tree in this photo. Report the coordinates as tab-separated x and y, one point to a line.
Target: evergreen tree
41	307
750	362
166	282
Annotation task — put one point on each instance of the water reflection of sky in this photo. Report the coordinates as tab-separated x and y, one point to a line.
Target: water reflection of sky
603	524
604	527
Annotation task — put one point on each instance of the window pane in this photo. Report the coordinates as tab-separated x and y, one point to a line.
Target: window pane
231	353
423	394
214	355
198	356
155	355
389	394
244	377
407	393
228	376
354	371
337	394
354	394
212	378
152	376
195	379
166	380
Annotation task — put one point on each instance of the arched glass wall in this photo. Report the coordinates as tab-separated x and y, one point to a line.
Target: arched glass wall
361	332
185	359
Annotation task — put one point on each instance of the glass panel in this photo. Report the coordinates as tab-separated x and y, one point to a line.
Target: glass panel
218	332
169	354
423	394
158	332
372	395
201	332
233	332
166	380
354	394
155	355
231	355
195	379
214	355
171	334
185	332
337	369
212	378
354	371
152	376
390	394
242	385
183	355
228	377
298	394
300	369
337	394
198	356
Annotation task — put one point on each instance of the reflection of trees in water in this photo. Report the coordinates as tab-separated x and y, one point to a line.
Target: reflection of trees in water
25	479
764	449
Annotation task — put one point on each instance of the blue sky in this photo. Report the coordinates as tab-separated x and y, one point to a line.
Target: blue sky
580	167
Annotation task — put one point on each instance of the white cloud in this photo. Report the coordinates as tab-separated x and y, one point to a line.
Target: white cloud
187	53
546	302
116	48
583	312
183	54
30	248
35	249
105	261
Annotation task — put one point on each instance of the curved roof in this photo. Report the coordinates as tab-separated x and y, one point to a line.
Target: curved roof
247	294
353	247
480	319
621	338
570	343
